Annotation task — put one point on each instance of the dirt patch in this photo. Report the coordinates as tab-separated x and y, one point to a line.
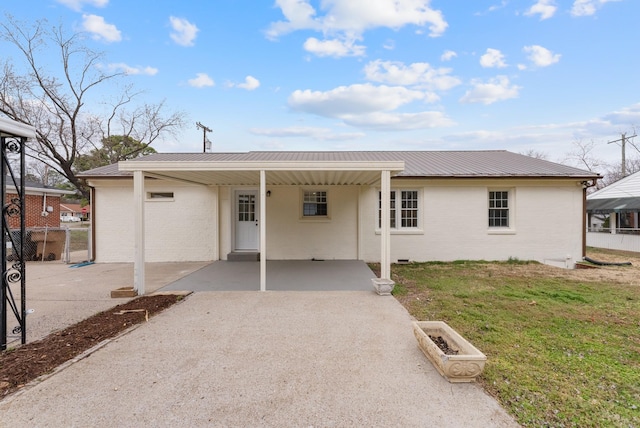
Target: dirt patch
23	364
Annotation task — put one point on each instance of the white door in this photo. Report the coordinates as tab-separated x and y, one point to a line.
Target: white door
247	227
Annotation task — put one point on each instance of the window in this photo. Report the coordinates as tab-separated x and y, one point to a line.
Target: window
314	204
160	196
407	216
499	208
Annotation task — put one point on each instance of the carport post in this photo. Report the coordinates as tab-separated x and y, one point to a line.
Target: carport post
263	230
138	227
385	228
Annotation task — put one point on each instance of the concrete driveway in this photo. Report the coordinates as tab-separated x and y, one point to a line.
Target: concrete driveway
345	358
239	358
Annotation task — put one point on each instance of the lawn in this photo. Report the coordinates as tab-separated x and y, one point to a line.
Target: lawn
563	351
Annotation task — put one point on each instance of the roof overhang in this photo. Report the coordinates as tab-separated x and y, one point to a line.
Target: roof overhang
11	128
604	206
278	172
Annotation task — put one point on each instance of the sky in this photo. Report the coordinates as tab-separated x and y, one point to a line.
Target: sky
528	75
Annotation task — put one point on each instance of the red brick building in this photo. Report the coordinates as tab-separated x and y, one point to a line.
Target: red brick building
42	205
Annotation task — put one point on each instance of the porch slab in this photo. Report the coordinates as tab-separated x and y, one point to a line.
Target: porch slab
282	275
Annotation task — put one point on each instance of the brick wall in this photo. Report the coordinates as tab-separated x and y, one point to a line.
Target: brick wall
33	214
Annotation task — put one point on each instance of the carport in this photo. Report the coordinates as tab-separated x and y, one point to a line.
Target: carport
282	275
261	170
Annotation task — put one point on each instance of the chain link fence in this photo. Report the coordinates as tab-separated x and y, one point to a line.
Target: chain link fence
49	244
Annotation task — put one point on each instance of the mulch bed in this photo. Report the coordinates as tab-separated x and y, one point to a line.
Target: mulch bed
21	365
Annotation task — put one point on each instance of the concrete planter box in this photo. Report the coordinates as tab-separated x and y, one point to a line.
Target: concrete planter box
383	287
463	367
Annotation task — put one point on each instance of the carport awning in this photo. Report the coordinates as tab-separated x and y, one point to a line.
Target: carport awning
278	172
613	205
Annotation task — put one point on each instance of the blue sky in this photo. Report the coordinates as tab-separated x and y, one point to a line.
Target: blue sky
373	74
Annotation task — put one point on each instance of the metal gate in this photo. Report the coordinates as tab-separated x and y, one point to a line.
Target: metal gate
13	137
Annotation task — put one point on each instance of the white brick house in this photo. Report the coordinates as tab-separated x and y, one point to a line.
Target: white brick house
444	206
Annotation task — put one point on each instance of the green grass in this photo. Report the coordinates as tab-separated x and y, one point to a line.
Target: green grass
561	353
79	239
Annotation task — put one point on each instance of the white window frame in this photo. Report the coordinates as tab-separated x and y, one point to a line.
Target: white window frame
511	196
303	201
159	196
396	211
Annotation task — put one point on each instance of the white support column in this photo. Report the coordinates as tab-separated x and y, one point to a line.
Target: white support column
138	230
384	285
613	224
385	229
263	230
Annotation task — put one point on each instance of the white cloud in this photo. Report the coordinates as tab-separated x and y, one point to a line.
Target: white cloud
492	58
587	7
384	121
335	47
628	116
184	33
148	71
99	29
541	57
201	80
77	4
418	73
368	106
497	89
323	134
250	83
353	17
448	55
545	8
389	45
354	99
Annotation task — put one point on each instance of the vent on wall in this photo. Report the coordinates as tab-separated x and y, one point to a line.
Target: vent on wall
403	261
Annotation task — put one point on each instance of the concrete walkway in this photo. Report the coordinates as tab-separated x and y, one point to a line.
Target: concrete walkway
285	359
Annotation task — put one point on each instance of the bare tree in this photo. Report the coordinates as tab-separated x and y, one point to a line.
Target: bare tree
536	154
56	101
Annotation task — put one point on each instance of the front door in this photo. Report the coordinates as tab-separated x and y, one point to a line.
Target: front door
247	227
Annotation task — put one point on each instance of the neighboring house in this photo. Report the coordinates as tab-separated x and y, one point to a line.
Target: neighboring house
615	210
74	212
42	204
620	202
373	206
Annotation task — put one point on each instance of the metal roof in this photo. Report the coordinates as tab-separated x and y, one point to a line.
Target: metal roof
434	164
627	187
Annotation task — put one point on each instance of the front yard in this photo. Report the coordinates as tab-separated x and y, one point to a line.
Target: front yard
563	347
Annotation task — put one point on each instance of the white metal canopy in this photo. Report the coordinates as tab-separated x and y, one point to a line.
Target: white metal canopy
261	173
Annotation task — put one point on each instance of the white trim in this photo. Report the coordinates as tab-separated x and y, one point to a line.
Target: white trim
385	237
138	230
499	230
11	128
263	230
133	165
313	218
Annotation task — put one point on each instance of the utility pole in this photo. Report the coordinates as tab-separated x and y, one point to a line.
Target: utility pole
623	142
204	135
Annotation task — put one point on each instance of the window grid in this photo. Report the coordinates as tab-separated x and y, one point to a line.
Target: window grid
314	203
246	208
407	215
498	209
